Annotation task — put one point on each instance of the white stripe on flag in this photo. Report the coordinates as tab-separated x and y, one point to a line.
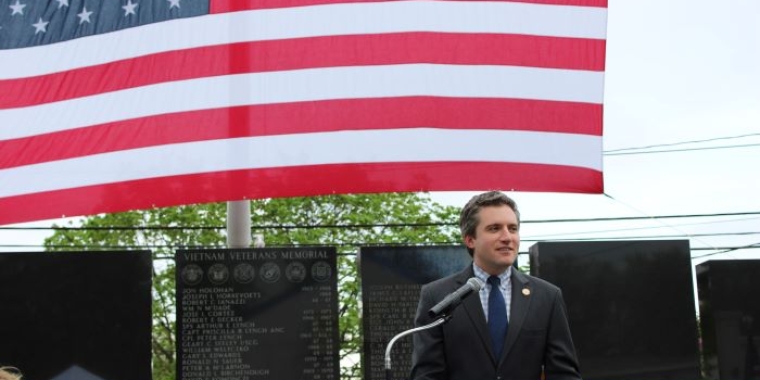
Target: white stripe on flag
309	21
307	85
386	146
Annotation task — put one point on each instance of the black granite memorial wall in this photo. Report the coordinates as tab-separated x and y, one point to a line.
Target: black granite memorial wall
729	303
76	315
257	314
631	306
391	279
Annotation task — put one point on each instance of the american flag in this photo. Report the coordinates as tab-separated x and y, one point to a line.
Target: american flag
110	105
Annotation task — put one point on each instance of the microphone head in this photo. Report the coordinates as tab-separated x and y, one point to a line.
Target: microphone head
475	283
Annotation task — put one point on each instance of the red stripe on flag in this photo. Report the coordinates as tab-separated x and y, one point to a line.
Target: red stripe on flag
296	181
305	117
265	56
222	6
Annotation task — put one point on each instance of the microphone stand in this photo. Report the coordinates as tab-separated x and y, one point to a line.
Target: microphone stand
388	373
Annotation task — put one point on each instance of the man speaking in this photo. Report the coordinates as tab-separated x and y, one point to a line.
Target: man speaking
514	327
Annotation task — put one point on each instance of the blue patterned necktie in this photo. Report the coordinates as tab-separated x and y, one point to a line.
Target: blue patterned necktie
497	316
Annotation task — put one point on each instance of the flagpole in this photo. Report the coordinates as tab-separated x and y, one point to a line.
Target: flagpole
239	224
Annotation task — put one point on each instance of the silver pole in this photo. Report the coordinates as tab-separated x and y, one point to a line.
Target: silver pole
239	224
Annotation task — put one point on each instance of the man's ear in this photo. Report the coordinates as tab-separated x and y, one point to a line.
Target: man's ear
469	241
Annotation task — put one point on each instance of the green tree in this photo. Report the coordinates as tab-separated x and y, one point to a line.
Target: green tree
344	221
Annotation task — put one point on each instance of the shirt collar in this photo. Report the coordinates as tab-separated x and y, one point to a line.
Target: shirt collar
483	276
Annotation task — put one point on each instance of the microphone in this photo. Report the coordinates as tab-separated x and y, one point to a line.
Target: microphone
451	301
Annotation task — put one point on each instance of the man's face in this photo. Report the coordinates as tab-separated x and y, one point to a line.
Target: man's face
497	239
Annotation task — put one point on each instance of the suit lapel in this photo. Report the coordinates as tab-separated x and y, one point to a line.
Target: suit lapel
518	308
474	311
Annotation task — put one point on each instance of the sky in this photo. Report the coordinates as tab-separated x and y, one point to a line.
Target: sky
677	71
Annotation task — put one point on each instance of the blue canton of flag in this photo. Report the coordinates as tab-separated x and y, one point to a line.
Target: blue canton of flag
26	23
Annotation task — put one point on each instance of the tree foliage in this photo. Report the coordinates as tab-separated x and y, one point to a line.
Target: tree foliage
344	221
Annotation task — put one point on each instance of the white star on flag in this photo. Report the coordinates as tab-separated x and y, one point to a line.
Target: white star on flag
129	9
173	3
62	3
40	26
84	16
18	8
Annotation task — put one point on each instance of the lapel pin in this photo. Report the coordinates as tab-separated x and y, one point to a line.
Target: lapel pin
526	292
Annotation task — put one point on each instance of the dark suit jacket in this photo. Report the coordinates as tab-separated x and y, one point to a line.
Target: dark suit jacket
538	337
